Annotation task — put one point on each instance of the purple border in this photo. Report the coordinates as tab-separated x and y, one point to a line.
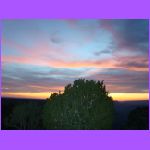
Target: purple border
24	140
32	9
0	71
149	73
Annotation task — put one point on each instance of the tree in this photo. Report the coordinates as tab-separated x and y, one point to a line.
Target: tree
83	105
138	119
26	116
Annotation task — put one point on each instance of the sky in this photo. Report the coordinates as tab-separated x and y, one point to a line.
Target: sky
40	57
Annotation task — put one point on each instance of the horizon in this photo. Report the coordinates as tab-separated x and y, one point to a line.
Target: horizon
40	57
115	96
17	98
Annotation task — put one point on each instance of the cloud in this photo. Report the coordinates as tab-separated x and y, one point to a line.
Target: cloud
56	38
38	53
130	42
133	62
59	62
31	83
36	79
58	52
101	52
129	34
123	80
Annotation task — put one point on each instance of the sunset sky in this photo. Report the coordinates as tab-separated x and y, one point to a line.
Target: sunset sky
42	56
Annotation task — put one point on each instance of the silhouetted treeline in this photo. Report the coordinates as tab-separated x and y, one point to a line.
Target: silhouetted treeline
121	116
138	119
22	114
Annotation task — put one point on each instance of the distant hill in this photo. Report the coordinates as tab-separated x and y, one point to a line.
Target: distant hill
123	108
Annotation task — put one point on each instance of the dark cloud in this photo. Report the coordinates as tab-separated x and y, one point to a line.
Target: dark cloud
129	62
129	34
123	80
133	64
101	52
21	79
135	33
130	40
116	80
55	39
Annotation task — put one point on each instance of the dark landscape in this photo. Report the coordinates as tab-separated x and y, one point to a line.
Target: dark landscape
122	110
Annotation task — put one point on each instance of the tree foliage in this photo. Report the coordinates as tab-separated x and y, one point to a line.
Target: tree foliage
138	119
83	105
26	116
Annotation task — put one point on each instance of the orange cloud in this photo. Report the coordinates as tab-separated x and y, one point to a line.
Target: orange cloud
22	60
59	63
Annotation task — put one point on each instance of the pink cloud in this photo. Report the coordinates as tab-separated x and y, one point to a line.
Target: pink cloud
58	63
137	63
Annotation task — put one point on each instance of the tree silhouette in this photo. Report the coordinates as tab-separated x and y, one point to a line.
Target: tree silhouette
26	116
83	105
138	119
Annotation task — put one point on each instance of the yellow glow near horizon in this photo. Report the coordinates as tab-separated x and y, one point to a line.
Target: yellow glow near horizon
129	96
115	96
42	95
